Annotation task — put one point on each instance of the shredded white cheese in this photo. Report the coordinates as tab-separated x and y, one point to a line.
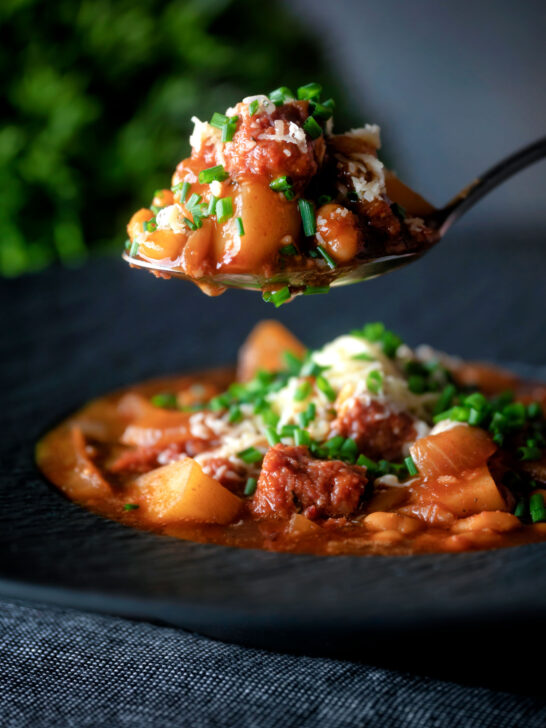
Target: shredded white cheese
294	134
370	134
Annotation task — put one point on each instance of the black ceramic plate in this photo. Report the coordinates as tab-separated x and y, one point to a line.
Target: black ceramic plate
75	335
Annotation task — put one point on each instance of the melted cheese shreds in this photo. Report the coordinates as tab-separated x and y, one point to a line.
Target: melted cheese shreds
293	135
171	218
370	134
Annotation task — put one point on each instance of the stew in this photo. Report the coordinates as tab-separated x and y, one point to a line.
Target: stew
268	189
364	446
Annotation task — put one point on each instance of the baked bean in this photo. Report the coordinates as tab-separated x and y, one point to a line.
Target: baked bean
338	232
387	537
498	521
134	227
381	521
162	198
163	244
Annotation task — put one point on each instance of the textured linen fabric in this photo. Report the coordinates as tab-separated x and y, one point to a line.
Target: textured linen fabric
65	668
102	326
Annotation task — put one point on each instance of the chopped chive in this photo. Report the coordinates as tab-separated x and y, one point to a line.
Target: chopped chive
537	510
194	200
349	450
219	120
323	199
240	226
127	244
250	486
184	191
530	451
366	462
307	213
149	226
327	257
333	445
250	455
374	381
133	251
277	297
189	223
211	206
221	402
130	506
292	362
398	211
312	290
302	437
322	111
417	384
312	127
213	174
165	400
288	250
534	410
229	129
326	388
303	391
224	209
280	95
445	399
520	510
363	356
411	466
271	435
235	414
253	107
309	91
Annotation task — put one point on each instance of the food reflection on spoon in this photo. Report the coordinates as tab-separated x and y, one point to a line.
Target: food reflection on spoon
271	199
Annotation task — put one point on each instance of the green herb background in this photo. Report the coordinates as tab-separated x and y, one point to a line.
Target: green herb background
97	100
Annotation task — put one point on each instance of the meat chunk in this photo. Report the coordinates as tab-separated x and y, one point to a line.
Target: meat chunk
378	433
273	145
292	481
231	476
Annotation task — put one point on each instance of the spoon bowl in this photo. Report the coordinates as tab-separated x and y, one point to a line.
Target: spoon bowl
311	280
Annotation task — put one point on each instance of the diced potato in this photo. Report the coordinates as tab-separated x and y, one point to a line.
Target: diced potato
431	513
475	492
452	452
267	219
384	499
299	525
163	244
181	491
159	428
414	204
264	349
492	520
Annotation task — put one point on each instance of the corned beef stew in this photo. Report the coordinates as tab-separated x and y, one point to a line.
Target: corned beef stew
270	190
362	447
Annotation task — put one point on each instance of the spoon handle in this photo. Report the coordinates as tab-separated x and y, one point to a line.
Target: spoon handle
481	186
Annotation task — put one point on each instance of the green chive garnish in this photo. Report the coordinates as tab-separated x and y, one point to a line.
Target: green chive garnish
374	382
411	466
165	400
224	209
240	226
326	388
312	127
277	297
250	486
307	213
309	91
213	174
271	435
130	506
312	290
250	455
327	257
280	95
303	391
363	356
219	120
253	107
133	251
537	510
288	250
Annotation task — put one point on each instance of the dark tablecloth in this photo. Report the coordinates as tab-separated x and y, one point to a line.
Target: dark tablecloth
478	295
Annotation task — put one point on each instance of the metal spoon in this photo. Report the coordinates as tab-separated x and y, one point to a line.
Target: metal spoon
440	219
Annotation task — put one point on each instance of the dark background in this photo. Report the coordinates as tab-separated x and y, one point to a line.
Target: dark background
98	97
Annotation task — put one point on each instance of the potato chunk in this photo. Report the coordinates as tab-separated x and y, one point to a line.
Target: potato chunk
264	348
181	491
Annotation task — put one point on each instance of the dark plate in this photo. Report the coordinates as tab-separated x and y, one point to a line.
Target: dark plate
75	335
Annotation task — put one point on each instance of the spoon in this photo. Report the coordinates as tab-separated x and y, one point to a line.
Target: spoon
439	219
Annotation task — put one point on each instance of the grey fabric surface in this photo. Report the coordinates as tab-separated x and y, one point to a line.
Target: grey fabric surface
64	668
